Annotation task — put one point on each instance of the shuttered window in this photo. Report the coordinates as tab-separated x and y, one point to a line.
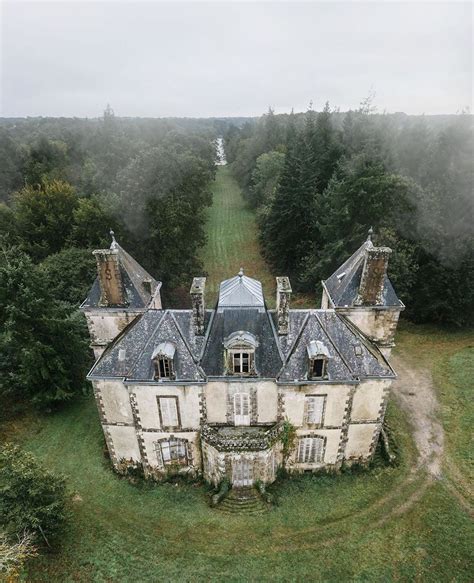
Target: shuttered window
169	414
310	450
315	406
242	409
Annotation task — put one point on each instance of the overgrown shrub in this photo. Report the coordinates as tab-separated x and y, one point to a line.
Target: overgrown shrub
32	499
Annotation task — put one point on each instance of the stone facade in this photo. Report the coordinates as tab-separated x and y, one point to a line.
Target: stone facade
224	418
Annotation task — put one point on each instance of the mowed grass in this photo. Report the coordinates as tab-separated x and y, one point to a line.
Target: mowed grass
232	240
387	524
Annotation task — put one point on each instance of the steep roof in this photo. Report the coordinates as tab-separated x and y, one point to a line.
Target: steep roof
240	291
343	285
351	356
130	355
133	278
254	321
339	339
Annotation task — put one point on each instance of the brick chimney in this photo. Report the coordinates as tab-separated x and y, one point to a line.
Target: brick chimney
373	276
283	304
112	292
199	305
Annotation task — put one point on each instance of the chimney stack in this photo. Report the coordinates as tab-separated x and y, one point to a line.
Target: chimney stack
199	306
373	276
283	304
112	292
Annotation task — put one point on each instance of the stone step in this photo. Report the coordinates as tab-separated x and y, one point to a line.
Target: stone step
243	501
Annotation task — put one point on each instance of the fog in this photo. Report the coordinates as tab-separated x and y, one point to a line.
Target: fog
232	59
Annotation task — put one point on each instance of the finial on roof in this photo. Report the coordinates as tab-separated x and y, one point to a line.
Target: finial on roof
241	272
370	233
114	242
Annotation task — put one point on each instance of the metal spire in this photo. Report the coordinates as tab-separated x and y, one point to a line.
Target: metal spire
370	233
114	242
241	272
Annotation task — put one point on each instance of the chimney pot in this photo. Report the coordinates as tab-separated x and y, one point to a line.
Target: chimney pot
112	292
372	280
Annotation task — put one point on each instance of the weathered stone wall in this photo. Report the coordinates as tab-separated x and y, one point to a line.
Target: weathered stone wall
264	400
379	325
294	400
189	398
105	325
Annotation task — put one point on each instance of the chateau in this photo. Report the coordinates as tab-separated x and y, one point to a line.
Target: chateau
210	391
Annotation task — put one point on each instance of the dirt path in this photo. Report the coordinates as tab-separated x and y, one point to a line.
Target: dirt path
415	394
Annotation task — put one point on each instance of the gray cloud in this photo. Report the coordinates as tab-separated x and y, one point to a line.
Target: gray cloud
204	59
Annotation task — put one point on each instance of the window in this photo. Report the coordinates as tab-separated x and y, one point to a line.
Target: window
169	412
310	450
163	360
240	353
318	356
315	406
173	451
319	368
241	362
242	409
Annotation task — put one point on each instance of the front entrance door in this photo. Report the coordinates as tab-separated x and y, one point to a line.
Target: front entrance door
242	473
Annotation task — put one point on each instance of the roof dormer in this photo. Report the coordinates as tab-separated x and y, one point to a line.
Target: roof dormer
239	353
318	357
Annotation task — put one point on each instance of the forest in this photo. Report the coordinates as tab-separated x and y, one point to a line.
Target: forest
317	181
320	181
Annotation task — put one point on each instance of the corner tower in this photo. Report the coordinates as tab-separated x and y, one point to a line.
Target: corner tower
122	291
361	290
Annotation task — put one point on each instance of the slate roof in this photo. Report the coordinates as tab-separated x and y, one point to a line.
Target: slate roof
343	285
283	358
267	356
133	276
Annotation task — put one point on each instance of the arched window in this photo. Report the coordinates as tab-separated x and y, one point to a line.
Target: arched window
240	353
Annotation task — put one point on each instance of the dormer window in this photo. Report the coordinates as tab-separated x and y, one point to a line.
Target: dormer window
240	353
163	361
318	356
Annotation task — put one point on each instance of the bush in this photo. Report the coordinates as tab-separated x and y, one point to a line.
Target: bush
32	499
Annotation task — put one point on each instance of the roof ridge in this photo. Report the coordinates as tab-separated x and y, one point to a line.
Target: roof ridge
165	312
292	348
335	346
187	345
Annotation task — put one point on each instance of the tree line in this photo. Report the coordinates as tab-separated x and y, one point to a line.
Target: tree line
319	181
65	183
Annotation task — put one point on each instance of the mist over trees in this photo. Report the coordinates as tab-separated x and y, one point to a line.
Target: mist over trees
319	181
64	184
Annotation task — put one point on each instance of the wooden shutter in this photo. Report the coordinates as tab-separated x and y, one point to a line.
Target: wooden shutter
242	409
315	409
169	411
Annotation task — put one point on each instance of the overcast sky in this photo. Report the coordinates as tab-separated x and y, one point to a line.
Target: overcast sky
225	59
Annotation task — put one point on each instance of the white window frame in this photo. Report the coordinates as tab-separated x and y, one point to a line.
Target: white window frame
241	406
310	450
172	450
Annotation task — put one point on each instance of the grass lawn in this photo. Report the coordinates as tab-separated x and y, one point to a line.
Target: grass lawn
387	524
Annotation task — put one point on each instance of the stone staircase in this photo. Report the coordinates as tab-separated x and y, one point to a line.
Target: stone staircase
243	501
